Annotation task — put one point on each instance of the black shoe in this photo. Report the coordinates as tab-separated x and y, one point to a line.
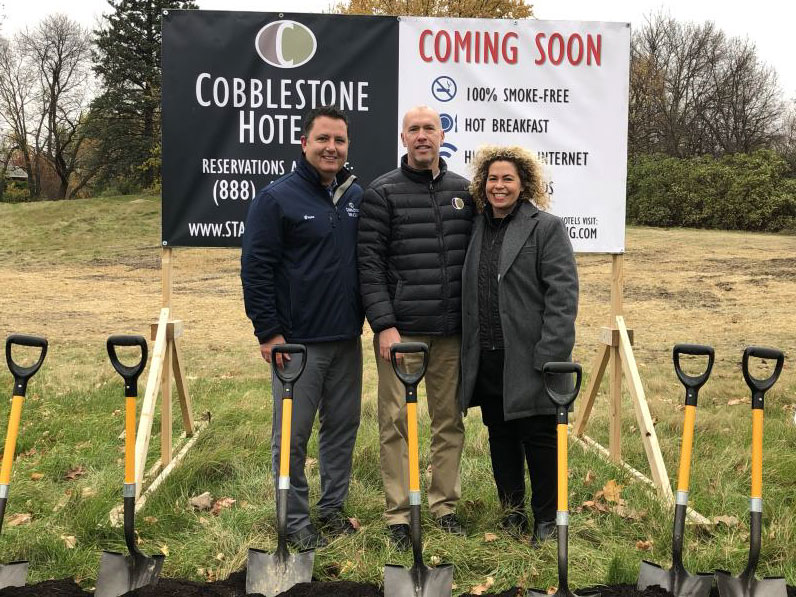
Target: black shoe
516	523
306	538
450	524
399	533
335	523
544	531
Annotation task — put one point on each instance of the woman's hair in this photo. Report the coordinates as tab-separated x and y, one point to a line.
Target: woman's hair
532	186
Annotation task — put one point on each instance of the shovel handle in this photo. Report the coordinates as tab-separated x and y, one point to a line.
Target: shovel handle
562	400
129	373
692	383
23	374
285	377
760	386
409	379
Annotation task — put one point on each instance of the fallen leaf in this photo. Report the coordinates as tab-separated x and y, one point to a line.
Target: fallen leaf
30	452
36	476
69	540
18	519
730	521
309	463
644	545
203	520
150	519
736	401
220	556
220	504
164	549
612	492
347	566
481	589
355	523
75	472
489	537
116	516
552	590
590	477
88	492
202	502
435	560
622	510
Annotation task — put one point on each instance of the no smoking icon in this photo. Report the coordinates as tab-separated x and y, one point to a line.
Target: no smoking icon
443	88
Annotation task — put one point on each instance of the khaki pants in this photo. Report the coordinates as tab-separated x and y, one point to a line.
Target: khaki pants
447	428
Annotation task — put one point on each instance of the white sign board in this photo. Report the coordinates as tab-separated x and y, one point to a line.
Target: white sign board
557	88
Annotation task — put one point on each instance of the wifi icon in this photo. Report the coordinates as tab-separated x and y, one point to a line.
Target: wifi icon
447	150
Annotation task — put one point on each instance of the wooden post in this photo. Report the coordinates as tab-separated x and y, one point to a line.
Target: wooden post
615	365
165	384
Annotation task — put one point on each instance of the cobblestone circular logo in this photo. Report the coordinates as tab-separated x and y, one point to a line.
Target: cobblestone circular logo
286	44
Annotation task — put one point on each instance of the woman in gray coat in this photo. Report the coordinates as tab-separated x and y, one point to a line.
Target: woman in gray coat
519	302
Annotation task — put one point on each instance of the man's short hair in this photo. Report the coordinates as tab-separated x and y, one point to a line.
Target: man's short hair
329	112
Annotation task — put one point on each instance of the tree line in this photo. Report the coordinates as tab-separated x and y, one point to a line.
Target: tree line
81	109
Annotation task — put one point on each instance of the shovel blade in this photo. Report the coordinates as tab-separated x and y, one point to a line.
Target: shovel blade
418	581
742	586
120	574
270	574
679	583
14	574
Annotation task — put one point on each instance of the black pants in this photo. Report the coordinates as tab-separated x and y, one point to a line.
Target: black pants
514	443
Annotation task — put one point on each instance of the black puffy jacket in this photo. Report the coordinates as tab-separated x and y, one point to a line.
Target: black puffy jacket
413	236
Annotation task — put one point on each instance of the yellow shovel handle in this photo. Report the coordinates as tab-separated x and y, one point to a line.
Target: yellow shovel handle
11	439
563	488
414	452
757	453
284	444
687	447
129	439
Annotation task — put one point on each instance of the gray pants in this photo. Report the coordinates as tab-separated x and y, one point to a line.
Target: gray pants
330	386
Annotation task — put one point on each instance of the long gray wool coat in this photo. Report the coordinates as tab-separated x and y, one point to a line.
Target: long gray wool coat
538	297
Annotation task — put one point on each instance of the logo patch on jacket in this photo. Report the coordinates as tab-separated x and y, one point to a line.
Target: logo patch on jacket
352	210
457	203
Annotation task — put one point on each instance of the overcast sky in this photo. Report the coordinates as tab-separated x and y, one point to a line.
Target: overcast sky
768	23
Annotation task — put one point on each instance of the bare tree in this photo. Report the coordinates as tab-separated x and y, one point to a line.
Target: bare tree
59	50
20	111
695	91
500	9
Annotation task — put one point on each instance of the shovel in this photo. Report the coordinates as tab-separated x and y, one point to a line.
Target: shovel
118	573
678	581
15	574
562	402
269	574
419	580
746	585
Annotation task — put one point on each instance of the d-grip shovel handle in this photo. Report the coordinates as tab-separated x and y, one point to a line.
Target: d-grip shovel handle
692	383
562	401
760	386
130	373
23	374
285	377
409	379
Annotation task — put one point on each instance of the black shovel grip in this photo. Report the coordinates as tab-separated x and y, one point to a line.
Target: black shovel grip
284	376
409	379
759	386
129	373
23	374
562	401
692	383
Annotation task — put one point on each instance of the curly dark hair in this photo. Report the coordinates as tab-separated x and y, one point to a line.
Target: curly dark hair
528	167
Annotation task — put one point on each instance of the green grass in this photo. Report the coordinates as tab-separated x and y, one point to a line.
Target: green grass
73	417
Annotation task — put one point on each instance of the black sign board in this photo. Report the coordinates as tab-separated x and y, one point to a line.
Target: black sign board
236	86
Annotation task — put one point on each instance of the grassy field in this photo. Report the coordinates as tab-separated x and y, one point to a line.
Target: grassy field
78	271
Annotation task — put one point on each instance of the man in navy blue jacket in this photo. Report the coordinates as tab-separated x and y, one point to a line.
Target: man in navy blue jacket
300	284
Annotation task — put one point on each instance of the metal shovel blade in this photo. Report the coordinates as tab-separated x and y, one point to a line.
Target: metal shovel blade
749	586
561	593
679	582
272	574
418	581
14	574
120	574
